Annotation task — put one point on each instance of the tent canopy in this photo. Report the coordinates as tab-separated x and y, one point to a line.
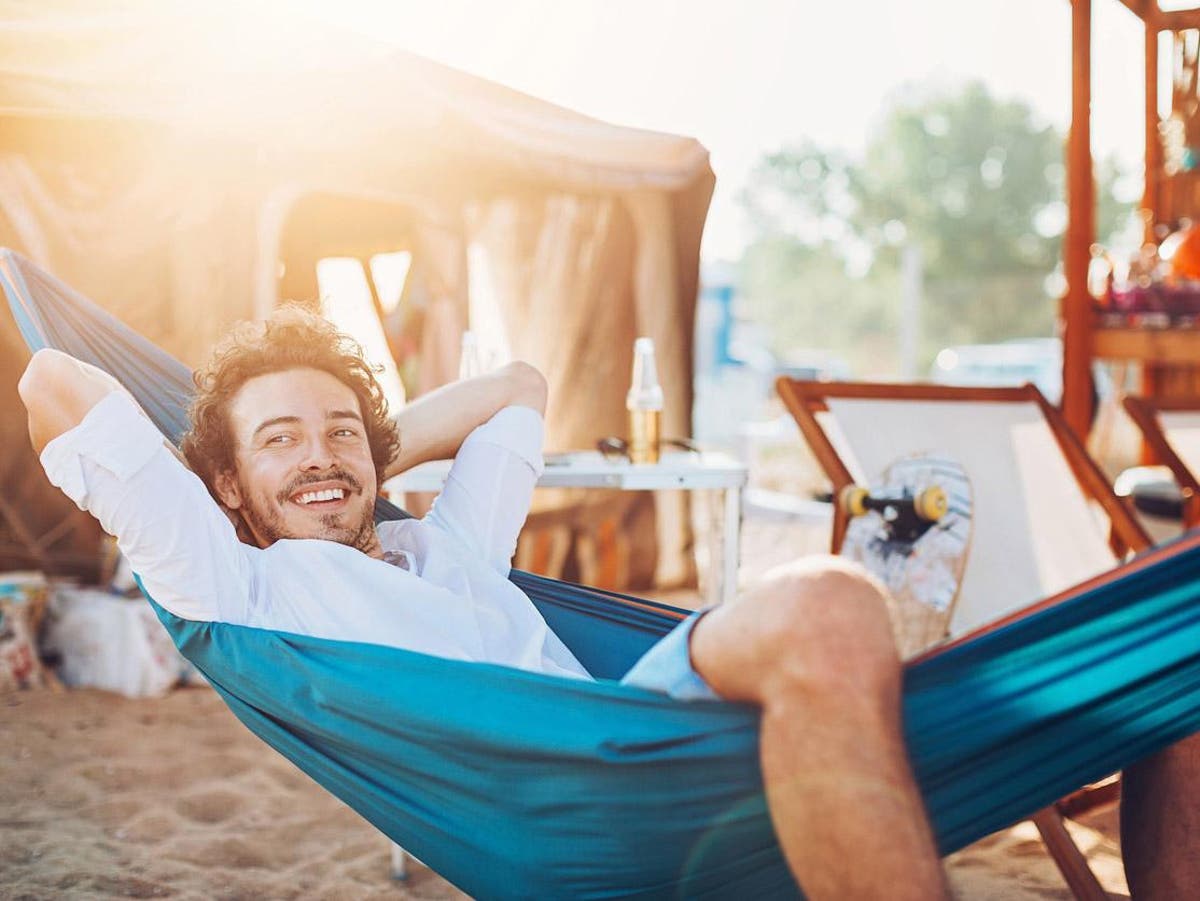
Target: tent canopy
281	83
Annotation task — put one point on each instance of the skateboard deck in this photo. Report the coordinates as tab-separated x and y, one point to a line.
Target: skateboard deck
912	530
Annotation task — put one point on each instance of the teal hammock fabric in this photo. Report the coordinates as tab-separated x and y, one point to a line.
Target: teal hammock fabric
513	784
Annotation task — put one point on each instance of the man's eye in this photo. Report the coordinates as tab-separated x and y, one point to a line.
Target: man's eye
345	433
279	439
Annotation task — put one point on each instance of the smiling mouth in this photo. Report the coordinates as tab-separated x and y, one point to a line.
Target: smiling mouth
327	496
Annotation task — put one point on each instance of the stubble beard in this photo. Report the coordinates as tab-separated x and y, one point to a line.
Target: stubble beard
266	522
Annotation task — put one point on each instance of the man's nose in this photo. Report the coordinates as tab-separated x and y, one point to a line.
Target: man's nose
318	455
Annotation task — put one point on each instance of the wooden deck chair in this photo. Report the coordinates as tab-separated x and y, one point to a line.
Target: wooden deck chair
1044	516
1171	428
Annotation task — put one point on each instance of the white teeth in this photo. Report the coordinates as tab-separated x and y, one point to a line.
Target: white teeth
329	494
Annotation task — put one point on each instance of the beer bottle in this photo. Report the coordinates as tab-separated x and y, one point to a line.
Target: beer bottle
644	403
470	360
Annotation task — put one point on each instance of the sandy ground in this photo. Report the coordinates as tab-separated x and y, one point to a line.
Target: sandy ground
173	798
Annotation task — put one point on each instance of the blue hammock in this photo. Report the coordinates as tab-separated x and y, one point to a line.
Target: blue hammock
514	784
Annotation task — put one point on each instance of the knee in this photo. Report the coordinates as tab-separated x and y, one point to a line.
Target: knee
825	629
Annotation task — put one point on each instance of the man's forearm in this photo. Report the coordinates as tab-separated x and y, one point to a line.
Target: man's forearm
434	426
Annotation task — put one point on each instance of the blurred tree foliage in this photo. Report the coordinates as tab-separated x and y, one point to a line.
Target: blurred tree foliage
975	183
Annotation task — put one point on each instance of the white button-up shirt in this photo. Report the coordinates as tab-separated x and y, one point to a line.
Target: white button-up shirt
450	596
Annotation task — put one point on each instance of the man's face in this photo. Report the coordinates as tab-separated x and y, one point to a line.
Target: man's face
304	467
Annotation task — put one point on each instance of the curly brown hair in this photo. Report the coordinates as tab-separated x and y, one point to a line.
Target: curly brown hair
292	338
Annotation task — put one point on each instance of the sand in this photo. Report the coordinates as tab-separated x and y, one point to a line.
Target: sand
171	798
101	796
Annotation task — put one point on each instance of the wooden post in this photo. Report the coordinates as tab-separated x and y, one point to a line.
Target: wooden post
1077	304
1151	200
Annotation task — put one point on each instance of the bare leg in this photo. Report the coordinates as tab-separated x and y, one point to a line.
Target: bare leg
812	646
1160	823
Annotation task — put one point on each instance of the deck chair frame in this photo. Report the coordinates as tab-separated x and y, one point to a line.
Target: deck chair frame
1145	412
806	399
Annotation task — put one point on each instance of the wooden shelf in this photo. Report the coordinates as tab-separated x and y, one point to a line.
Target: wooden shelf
1167	346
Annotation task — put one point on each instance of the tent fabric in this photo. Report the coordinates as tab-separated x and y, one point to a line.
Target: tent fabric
224	104
583	246
276	79
188	164
516	784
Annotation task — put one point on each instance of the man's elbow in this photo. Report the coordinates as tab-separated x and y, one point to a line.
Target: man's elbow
529	388
43	377
58	391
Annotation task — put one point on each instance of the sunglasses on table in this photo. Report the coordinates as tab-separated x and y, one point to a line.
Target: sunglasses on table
613	449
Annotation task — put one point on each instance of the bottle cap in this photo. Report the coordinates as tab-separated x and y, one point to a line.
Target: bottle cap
644	391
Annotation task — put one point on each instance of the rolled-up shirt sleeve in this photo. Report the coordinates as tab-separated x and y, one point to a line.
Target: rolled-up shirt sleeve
490	485
116	466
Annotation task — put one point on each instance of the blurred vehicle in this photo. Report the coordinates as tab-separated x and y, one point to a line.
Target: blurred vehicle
1036	360
814	366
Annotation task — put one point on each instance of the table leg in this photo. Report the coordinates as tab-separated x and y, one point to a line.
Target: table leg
731	532
399	863
714	536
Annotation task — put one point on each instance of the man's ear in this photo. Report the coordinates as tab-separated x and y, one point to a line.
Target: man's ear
228	489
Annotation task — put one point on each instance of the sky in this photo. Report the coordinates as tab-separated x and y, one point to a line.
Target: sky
750	77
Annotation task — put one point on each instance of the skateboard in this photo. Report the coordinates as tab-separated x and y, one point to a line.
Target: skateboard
912	531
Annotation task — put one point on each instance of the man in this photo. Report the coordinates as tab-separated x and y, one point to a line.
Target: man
290	440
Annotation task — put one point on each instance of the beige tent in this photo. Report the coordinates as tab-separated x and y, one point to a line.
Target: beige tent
187	165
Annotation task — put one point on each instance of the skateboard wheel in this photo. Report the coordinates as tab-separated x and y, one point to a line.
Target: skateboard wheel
853	500
931	504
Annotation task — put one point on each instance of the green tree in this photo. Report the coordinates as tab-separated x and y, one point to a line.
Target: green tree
974	182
